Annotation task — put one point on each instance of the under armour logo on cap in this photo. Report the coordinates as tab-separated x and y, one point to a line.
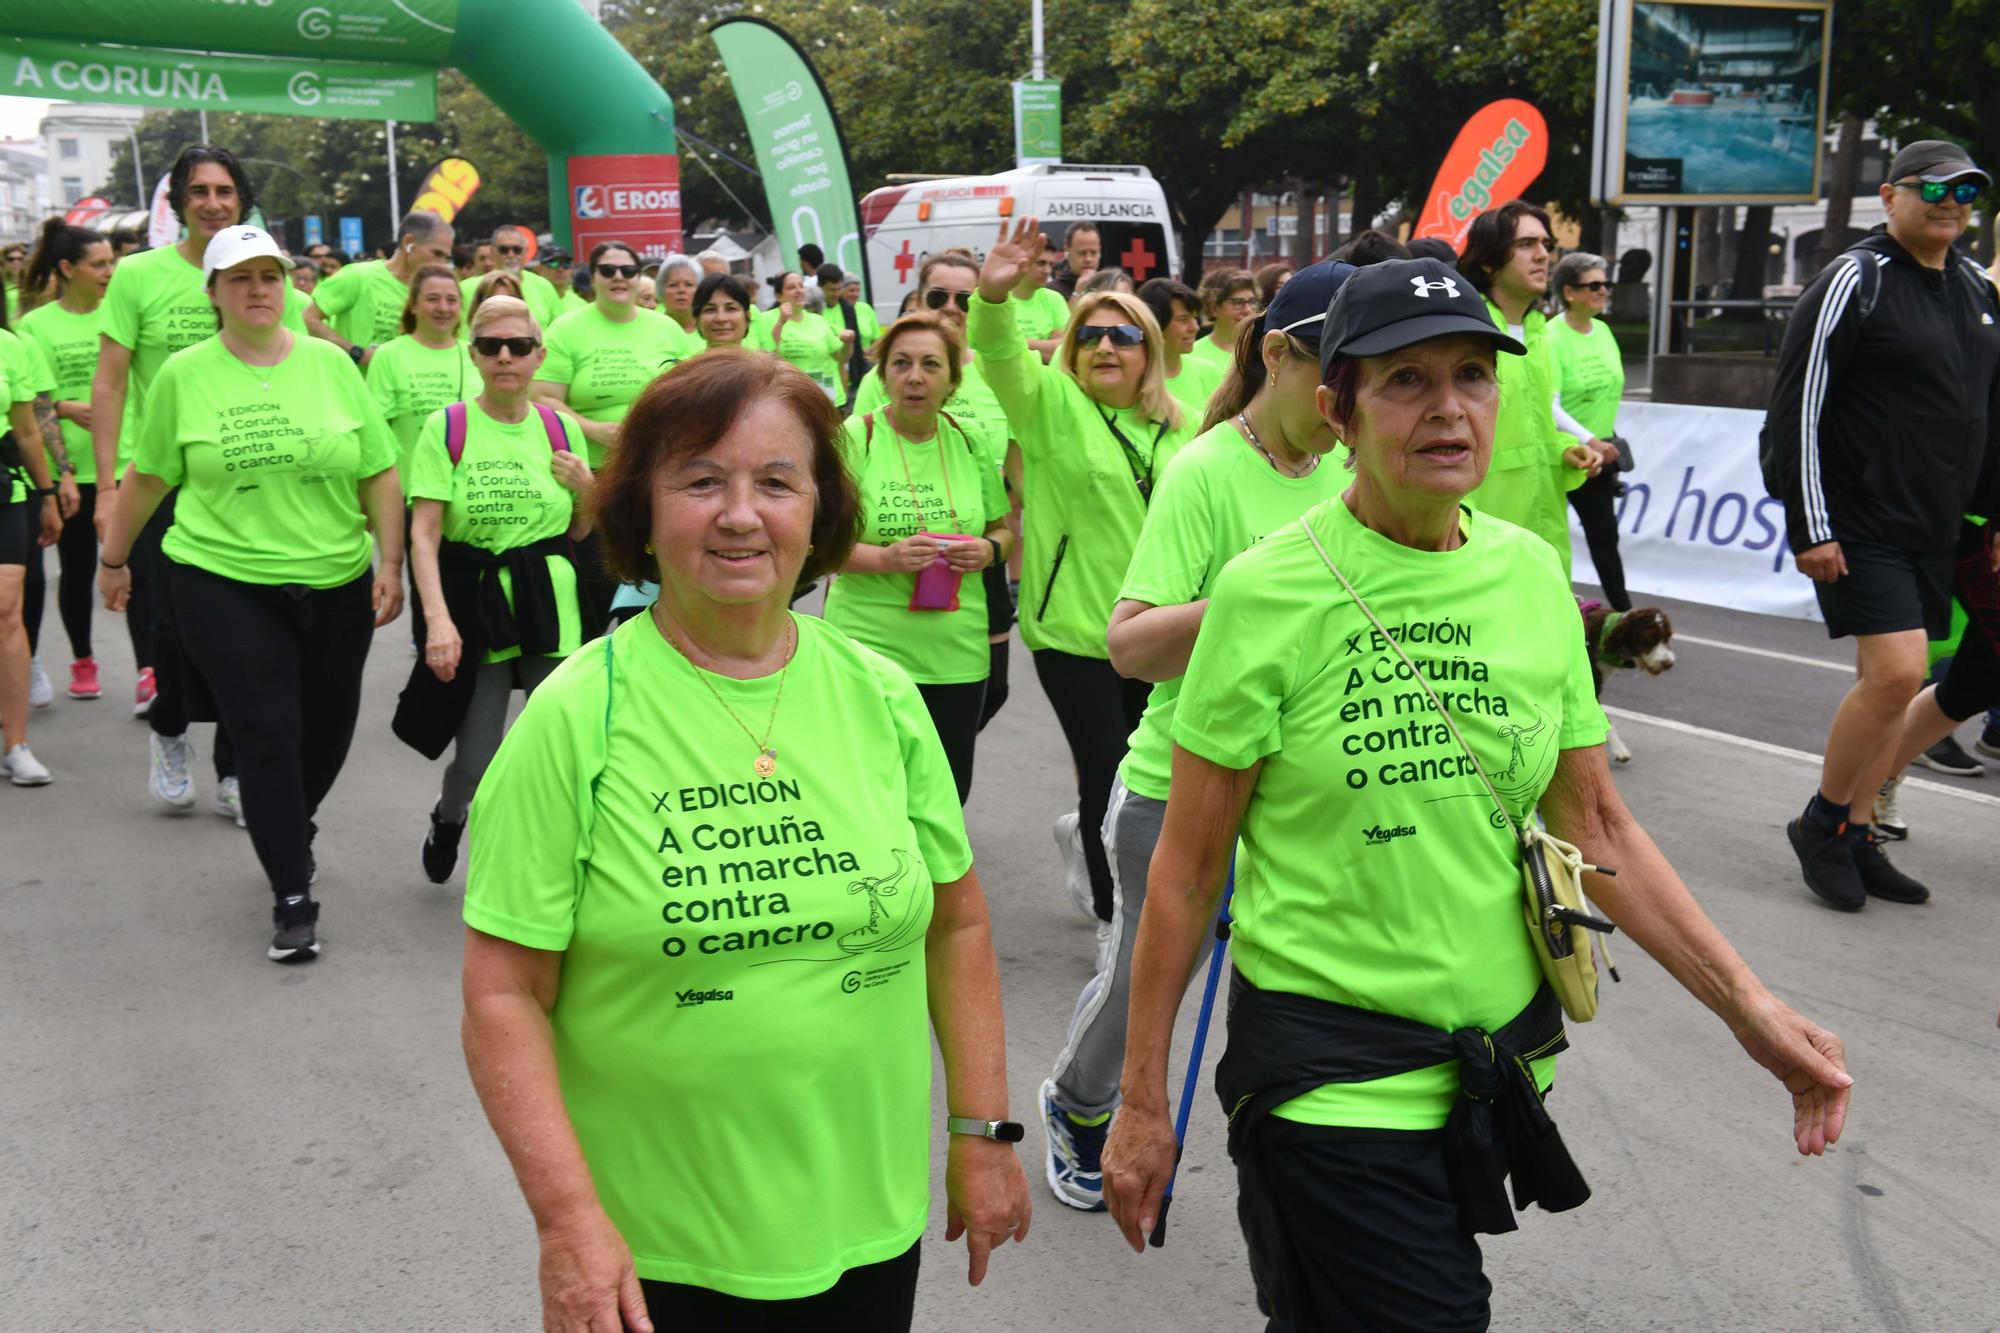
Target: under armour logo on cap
1424	288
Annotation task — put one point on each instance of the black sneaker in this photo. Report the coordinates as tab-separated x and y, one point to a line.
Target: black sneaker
441	848
1827	862
1948	756
1988	743
297	940
1878	877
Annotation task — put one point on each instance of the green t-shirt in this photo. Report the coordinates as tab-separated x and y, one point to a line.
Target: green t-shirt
364	303
68	344
409	381
23	374
1042	316
1194	386
947	484
1082	505
1528	479
605	365
544	302
742	1034
1371	872
155	306
1217	498
1206	348
1590	374
269	476
811	344
567	301
972	405
502	494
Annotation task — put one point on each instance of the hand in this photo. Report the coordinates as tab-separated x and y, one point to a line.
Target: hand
1823	563
571	472
588	1282
847	337
367	355
912	553
115	586
788	310
1584	459
388	594
986	1199
1018	246
51	521
442	648
1138	1162
969	555
75	410
1810	1061
68	498
1607	452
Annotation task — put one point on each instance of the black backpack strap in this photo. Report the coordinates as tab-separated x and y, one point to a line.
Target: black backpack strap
1869	262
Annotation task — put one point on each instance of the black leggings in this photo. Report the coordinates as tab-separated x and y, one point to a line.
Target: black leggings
285	664
77	588
955	712
881	1298
1596	503
1098	710
173	678
1971	684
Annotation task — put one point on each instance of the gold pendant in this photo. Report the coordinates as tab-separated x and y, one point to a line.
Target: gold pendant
767	763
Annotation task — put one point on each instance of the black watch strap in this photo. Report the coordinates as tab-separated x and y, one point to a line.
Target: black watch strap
357	351
1003	1131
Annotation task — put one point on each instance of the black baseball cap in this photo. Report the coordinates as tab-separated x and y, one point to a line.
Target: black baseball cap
1402	301
1934	160
1300	306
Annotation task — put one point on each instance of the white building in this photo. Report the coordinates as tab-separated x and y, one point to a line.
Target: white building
79	139
24	174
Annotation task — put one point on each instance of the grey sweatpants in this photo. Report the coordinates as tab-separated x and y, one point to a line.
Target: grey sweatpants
484	724
1086	1077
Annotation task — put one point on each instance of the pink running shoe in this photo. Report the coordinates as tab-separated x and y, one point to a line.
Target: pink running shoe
142	695
83	679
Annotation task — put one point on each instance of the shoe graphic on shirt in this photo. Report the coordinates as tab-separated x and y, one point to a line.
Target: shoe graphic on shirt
888	925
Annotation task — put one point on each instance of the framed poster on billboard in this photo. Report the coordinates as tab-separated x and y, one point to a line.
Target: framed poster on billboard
1710	101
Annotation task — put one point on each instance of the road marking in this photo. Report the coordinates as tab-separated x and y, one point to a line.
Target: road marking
1842	667
1787	752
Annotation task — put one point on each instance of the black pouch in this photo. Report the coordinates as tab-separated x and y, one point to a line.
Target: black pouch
10	453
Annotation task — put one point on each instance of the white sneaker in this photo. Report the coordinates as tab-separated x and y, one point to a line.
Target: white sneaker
1076	870
23	769
41	691
1889	821
229	800
171	783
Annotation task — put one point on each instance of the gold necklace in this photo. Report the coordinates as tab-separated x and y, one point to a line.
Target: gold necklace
1243	420
767	754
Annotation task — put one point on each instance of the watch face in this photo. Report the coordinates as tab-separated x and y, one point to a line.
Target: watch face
1008	1131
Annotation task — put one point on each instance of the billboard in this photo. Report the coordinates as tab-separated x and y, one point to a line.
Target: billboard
630	197
1710	101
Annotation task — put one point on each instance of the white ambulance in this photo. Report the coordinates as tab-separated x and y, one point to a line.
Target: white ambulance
903	224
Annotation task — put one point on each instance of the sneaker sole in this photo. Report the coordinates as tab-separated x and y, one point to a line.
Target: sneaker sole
42	781
1892	832
1987	748
1081	1203
143	710
305	955
74	695
1831	900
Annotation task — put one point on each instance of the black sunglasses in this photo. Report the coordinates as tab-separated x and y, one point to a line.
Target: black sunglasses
511	249
1121	335
487	346
936	297
1599	286
1933	192
617	270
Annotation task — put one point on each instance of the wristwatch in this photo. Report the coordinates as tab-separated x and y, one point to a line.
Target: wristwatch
358	352
1001	1131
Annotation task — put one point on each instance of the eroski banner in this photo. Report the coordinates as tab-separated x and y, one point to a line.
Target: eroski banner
1695	523
800	153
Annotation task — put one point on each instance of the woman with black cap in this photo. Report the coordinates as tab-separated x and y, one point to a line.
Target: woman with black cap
1390	1033
1258	465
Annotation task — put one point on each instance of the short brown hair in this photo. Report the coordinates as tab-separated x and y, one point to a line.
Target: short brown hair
1218	284
428	273
683	413
924	321
1489	241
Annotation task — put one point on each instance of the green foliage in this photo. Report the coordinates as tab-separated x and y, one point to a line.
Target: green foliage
1923	69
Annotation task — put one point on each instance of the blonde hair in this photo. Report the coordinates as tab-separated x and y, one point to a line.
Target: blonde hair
489	283
1154	400
496	308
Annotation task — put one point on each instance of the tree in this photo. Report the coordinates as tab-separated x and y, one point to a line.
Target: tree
1923	68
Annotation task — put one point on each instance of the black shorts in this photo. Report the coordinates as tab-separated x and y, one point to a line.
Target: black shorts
880	1298
17	535
1887	591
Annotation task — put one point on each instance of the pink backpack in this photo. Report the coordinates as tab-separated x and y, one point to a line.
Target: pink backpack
454	430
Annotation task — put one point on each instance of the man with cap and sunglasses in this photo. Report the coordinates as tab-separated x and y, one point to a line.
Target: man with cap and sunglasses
1879	440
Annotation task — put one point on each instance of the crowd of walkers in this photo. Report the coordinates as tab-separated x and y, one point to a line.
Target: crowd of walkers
1290	555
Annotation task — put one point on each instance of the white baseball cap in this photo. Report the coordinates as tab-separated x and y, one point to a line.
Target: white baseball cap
233	245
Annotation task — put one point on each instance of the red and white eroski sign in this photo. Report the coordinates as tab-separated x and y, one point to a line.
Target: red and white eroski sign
629	197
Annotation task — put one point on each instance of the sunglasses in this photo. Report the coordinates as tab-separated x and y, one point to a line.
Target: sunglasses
487	346
511	249
1934	192
617	270
1121	335
936	297
1241	303
1599	286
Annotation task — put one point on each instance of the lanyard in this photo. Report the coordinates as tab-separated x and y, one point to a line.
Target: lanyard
944	470
1143	480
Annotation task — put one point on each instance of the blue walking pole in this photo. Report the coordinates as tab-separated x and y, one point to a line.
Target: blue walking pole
1159	1236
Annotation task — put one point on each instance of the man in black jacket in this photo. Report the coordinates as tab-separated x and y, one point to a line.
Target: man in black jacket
1881	436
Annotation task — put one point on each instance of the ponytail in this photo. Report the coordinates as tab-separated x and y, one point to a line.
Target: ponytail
59	243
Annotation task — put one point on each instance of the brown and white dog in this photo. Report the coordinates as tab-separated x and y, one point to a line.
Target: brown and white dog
1641	638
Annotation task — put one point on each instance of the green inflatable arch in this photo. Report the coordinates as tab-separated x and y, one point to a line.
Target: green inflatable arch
607	127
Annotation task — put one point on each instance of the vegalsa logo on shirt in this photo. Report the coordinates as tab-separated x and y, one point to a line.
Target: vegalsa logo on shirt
1378	836
690	998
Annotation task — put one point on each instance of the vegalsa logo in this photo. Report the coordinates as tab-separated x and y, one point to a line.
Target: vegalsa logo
689	998
590	201
315	22
1378	836
303	88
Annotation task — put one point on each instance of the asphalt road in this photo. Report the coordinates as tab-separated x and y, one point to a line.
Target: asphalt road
192	1138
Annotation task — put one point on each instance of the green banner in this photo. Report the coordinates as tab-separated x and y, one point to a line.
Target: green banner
335	89
1037	121
403	30
800	153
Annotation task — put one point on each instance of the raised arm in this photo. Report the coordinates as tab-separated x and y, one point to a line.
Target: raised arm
994	332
